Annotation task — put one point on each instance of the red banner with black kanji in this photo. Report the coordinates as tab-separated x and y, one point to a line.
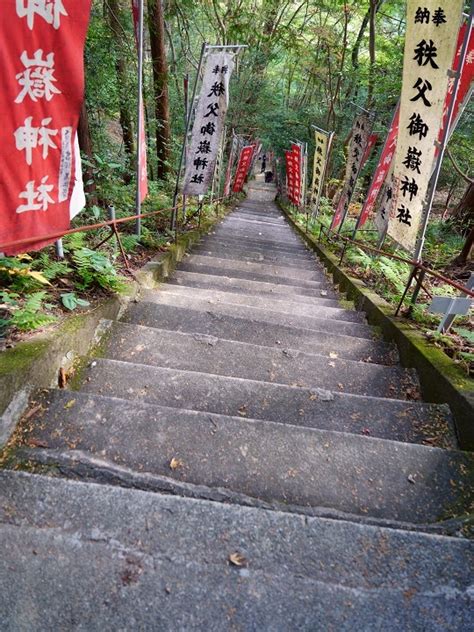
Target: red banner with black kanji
243	166
41	52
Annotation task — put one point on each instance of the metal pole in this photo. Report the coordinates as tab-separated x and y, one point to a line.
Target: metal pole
138	226
204	47
59	249
444	138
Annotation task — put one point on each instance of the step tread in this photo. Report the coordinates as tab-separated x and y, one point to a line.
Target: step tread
274	302
231	396
228	283
265	460
302	573
209	354
249	330
194	299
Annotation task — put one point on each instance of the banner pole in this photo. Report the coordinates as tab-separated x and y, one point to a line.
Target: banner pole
186	108
442	145
138	225
185	139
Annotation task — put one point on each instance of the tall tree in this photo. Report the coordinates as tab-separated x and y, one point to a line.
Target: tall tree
113	9
156	26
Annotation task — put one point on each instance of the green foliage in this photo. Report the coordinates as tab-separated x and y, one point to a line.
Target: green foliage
49	268
71	301
94	268
25	315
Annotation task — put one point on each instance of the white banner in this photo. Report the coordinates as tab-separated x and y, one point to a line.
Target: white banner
208	123
430	42
321	144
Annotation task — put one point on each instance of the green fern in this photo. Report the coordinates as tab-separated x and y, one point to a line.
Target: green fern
29	316
94	268
51	269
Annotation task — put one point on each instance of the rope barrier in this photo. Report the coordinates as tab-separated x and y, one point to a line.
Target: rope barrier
86	227
411	262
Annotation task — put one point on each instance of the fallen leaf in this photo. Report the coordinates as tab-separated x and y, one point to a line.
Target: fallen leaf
70	403
332	354
175	463
243	411
237	559
411	479
37	443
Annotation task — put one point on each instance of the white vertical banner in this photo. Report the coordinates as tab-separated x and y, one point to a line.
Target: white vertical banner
430	43
208	123
321	145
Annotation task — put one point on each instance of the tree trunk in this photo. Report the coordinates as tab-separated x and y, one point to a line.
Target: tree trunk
85	145
463	256
160	83
371	78
463	218
114	12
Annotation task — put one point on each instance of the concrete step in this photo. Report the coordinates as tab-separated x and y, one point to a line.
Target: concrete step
275	302
271	271
229	283
225	251
310	407
250	272
72	561
245	242
267	461
189	320
208	354
214	303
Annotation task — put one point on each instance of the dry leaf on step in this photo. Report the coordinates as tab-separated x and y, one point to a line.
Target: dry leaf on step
175	463
237	559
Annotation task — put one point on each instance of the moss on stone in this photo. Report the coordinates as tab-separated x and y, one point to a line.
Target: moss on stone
20	358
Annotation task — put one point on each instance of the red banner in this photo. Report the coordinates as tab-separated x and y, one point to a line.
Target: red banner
382	169
41	48
296	151
465	82
245	160
143	146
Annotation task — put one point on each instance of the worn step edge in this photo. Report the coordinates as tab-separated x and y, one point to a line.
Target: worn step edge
83	466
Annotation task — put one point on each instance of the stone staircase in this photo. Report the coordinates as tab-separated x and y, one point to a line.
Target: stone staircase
245	454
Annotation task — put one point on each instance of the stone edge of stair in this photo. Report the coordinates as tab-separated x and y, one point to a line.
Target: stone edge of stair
36	363
82	466
442	381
